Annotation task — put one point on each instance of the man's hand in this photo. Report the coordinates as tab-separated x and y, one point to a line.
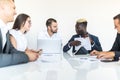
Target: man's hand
75	43
103	55
106	55
32	55
94	53
37	51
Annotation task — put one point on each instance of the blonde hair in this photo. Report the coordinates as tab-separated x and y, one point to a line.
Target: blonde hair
2	1
5	1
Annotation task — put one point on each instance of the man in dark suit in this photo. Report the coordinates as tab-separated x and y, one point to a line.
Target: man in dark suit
81	30
114	53
8	54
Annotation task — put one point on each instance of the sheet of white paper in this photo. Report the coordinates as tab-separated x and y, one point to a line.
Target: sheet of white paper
90	58
50	57
85	42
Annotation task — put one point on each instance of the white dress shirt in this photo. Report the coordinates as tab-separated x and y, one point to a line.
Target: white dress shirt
20	38
4	29
45	35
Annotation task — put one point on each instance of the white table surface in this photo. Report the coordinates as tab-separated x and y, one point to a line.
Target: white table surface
69	68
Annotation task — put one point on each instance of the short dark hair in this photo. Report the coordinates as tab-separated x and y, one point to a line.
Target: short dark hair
20	20
83	24
49	21
117	17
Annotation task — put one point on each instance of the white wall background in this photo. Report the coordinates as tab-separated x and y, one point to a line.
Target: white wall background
99	14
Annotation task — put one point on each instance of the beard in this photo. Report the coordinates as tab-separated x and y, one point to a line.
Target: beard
81	32
54	31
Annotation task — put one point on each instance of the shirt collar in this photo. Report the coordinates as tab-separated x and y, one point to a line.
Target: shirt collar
80	35
48	34
2	24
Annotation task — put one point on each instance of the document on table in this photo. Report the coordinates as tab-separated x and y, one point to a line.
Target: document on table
85	42
90	58
94	58
50	57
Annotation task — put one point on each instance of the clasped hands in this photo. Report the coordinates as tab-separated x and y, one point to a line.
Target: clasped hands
33	54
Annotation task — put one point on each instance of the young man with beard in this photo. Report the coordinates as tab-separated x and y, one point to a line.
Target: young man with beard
52	30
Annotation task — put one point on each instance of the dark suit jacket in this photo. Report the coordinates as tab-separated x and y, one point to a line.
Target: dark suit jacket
9	55
97	45
116	47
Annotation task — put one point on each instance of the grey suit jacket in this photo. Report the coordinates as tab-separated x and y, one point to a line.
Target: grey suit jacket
9	55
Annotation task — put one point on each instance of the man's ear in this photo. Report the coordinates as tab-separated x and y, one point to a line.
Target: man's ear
48	27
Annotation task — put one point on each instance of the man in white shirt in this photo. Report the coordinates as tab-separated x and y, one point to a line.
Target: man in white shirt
50	34
8	54
52	30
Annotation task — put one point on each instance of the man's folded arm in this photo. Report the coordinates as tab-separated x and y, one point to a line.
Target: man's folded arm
7	59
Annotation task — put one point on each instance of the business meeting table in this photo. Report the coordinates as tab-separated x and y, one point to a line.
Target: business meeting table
70	67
